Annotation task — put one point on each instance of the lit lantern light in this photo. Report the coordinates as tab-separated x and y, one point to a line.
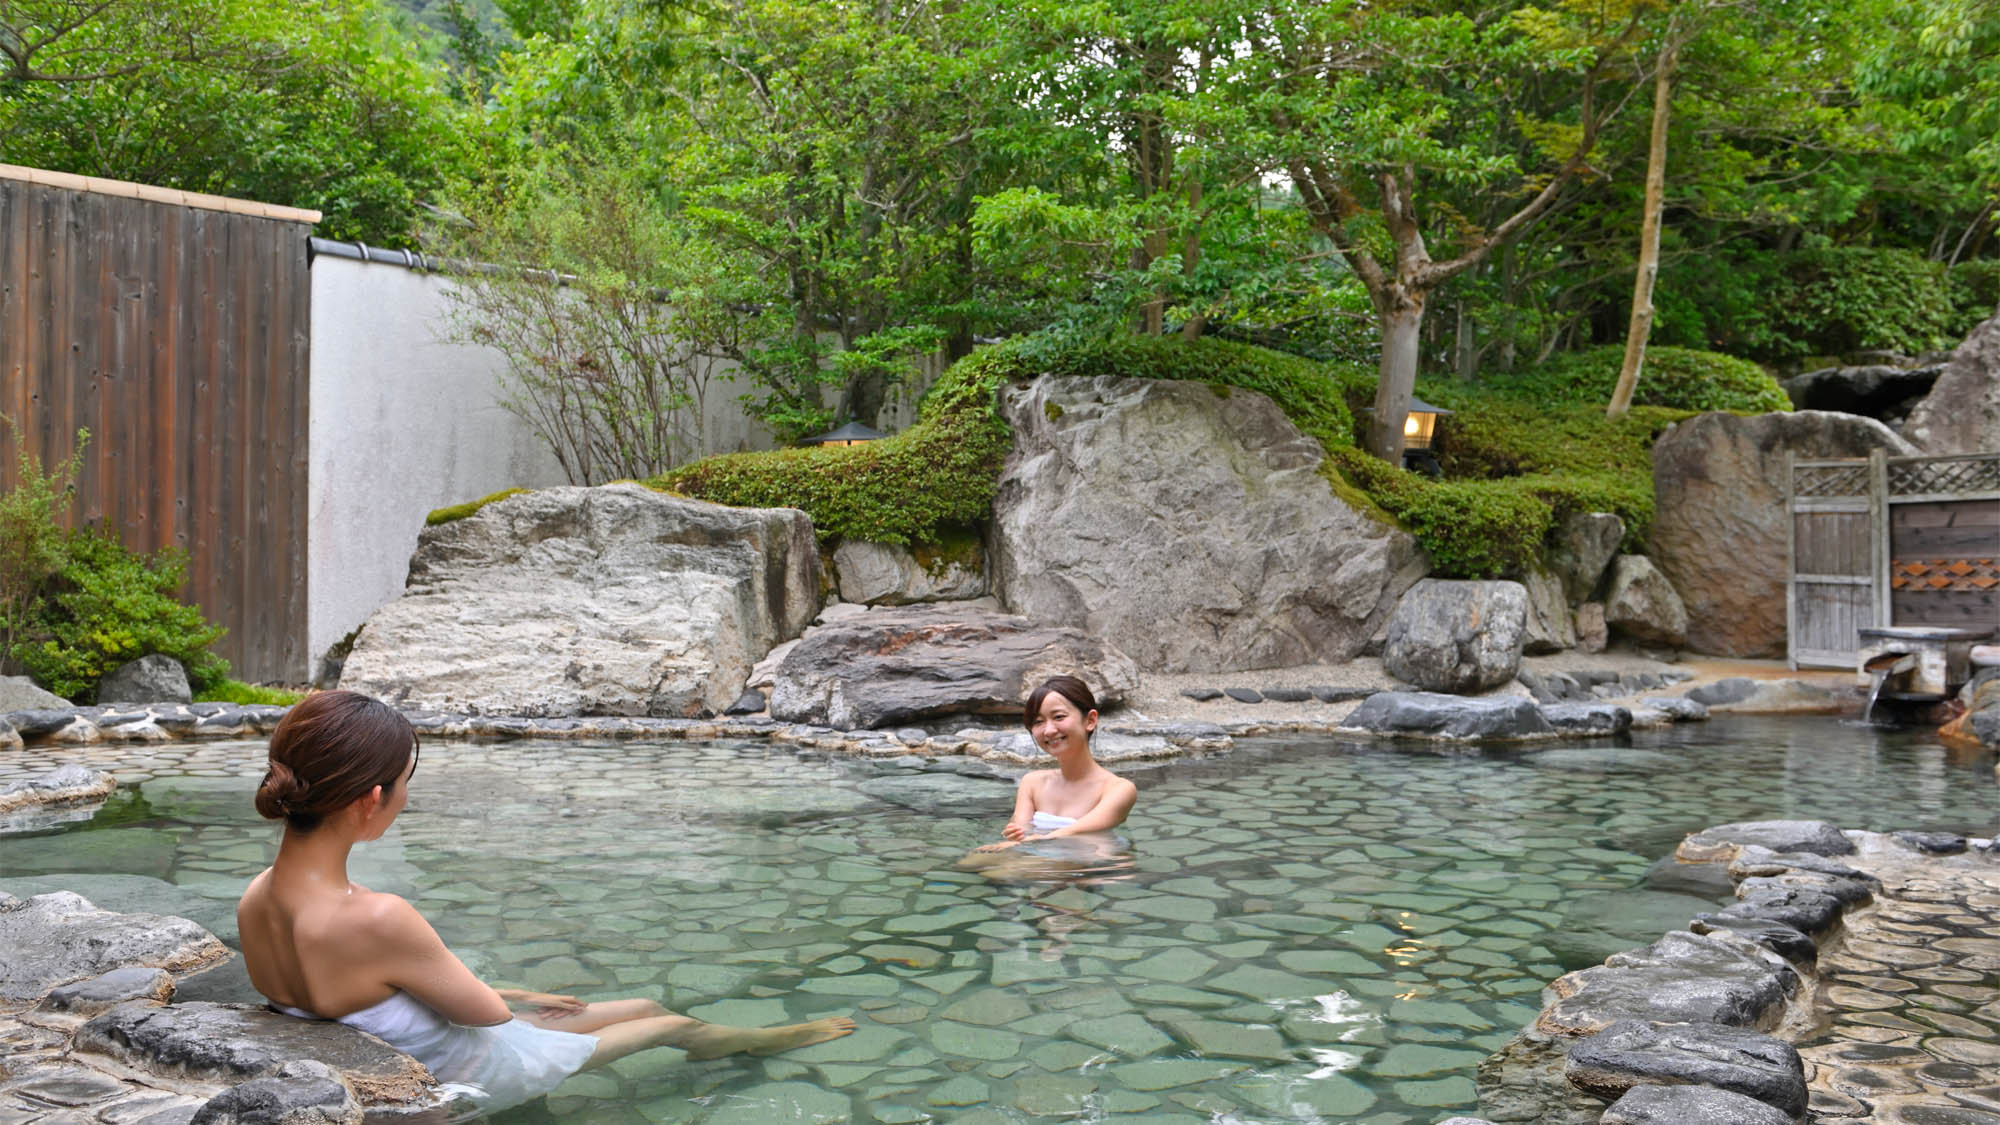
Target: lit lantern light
1418	430
853	433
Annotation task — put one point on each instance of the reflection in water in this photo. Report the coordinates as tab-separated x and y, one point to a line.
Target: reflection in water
1044	868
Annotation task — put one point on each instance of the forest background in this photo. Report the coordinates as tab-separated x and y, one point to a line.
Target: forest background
825	191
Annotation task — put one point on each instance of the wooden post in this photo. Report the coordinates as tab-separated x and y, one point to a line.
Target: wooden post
1791	566
1878	533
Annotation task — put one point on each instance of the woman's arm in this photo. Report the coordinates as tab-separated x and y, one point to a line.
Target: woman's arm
413	958
1024	808
1112	806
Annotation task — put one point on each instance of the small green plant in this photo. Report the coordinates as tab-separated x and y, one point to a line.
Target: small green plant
32	539
460	511
245	695
107	606
1679	378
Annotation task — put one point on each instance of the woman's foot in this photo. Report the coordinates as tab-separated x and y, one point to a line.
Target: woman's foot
718	1041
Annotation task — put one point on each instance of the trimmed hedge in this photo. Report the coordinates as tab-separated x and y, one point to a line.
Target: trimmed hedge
942	472
1680	378
1521	453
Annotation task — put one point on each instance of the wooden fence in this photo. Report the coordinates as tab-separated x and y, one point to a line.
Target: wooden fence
1890	541
174	328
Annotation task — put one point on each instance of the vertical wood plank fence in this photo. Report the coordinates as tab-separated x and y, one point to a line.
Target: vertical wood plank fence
175	329
1906	541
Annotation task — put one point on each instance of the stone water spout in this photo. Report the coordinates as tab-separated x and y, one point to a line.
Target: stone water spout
1880	669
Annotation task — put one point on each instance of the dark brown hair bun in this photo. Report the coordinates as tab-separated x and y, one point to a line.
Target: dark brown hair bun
330	749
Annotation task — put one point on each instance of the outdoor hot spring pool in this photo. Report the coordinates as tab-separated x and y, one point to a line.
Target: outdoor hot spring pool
1311	929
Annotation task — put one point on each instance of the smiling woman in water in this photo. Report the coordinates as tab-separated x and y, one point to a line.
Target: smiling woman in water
1078	796
322	947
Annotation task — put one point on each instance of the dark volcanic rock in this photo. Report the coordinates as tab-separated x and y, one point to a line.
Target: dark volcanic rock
1201	694
1288	695
890	666
749	703
1244	694
1932	843
222	1043
1637	1052
1427	714
1682	977
1724	840
1800	908
1587	718
304	1092
1690	1105
1788	942
1872	391
134	982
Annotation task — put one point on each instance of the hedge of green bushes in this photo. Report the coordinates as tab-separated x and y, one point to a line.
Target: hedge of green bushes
1519	453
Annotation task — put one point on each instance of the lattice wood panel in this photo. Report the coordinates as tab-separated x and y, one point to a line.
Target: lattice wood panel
1944	478
1830	480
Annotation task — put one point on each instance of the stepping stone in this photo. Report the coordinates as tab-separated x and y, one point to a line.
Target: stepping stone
1690	1105
1289	695
1637	1052
1243	695
1202	694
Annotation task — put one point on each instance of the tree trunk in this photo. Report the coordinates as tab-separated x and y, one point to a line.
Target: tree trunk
1402	318
1649	232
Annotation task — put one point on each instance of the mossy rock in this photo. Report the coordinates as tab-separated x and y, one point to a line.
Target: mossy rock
460	511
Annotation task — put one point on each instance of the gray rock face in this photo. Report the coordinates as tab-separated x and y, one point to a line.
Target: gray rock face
1430	715
1681	978
1642	604
1719	525
149	679
1551	627
1690	1105
886	574
229	1044
1962	412
133	982
55	939
1723	841
1187	527
590	601
888	667
19	693
1584	545
1457	636
302	1092
1637	1052
1683	708
1592	634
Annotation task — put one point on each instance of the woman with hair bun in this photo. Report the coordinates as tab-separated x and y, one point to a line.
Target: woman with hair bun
1078	796
322	947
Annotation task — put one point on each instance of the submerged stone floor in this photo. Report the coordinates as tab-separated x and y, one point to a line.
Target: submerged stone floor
1910	996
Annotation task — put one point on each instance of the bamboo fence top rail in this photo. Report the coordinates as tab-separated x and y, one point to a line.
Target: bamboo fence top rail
101	186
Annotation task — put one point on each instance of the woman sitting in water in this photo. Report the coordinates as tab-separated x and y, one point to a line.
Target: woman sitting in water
321	947
1078	796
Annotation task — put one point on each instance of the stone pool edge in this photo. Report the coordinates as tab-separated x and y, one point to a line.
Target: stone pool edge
1700	1025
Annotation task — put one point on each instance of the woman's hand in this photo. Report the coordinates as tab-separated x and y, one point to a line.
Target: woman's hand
996	847
1013	831
543	1003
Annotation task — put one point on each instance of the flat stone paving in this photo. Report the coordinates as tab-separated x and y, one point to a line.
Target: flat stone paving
1910	995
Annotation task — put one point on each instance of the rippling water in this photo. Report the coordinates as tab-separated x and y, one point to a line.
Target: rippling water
1310	929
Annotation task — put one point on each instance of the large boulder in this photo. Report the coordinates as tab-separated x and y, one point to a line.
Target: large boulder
19	693
55	939
590	601
1551	627
1457	636
1642	604
1719	516
1187	525
890	666
1962	412
1422	714
1876	391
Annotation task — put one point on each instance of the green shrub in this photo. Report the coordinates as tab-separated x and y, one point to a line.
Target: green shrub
1680	378
460	511
1976	291
107	606
941	473
244	695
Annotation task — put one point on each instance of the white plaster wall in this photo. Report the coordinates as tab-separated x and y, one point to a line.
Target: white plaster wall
401	423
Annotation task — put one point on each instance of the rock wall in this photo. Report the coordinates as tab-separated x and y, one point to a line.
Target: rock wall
590	601
1719	516
1186	525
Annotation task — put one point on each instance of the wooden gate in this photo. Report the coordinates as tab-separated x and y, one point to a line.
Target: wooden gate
1836	560
1908	541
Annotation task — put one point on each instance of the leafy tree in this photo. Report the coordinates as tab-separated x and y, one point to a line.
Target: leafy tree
321	105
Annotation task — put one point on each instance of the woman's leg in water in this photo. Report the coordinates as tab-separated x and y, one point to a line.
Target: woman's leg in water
625	1026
